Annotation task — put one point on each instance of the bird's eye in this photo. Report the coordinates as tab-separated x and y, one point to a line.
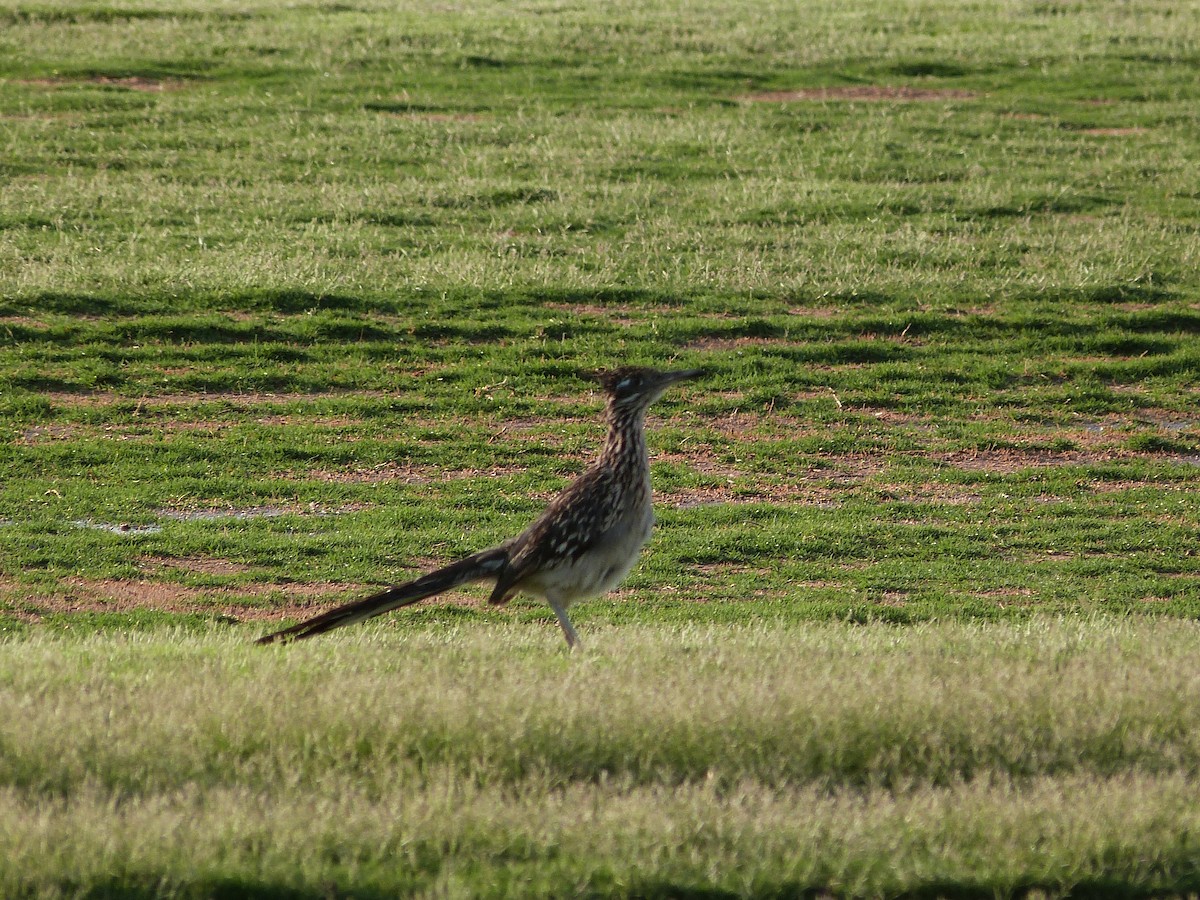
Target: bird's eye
625	383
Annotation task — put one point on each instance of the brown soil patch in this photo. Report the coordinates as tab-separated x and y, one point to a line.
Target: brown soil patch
729	569
1005	597
819	585
24	321
164	595
686	498
1005	592
1007	462
196	398
757	426
617	314
542	426
407	473
1114	132
426	116
701	460
265	511
720	495
945	494
628	313
867	92
816	313
312	421
244	603
738	343
125	595
129	83
1054	556
825	487
41	434
1117	487
45	434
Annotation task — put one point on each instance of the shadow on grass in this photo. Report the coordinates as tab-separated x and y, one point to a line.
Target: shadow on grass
81	14
272	300
489	316
292	302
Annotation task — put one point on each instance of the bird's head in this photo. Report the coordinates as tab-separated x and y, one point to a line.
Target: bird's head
636	387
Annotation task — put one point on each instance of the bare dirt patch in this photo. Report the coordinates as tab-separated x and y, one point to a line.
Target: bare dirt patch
129	83
1006	597
265	511
816	313
738	425
542	426
866	92
1121	486
237	400
616	313
739	343
810	487
820	584
824	487
243	603
724	569
407	473
45	434
1008	461
1114	132
699	459
68	431
420	115
336	422
629	313
931	493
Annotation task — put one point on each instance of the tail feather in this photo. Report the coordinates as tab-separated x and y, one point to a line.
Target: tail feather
486	564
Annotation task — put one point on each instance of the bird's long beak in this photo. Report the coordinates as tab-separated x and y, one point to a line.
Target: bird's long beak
667	379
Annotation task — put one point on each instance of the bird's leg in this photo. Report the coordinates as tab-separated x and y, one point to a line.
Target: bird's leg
560	610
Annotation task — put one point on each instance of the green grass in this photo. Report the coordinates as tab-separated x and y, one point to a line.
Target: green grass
761	760
296	299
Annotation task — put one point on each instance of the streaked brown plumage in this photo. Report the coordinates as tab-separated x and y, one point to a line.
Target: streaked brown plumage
581	546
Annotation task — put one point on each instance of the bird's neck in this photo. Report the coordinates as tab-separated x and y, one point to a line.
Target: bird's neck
626	441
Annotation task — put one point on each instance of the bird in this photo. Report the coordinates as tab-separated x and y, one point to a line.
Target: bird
582	545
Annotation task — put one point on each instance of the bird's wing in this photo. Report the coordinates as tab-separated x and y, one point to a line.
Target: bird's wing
570	526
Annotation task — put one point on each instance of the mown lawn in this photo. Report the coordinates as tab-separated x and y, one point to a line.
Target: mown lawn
735	760
297	299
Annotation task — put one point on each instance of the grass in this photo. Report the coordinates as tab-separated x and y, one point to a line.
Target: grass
295	299
758	759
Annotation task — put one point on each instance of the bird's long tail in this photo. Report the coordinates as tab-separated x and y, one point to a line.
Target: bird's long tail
485	564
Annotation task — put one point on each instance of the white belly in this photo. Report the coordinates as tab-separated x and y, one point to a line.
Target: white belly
602	568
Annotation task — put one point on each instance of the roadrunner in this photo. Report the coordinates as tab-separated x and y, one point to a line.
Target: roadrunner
581	546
